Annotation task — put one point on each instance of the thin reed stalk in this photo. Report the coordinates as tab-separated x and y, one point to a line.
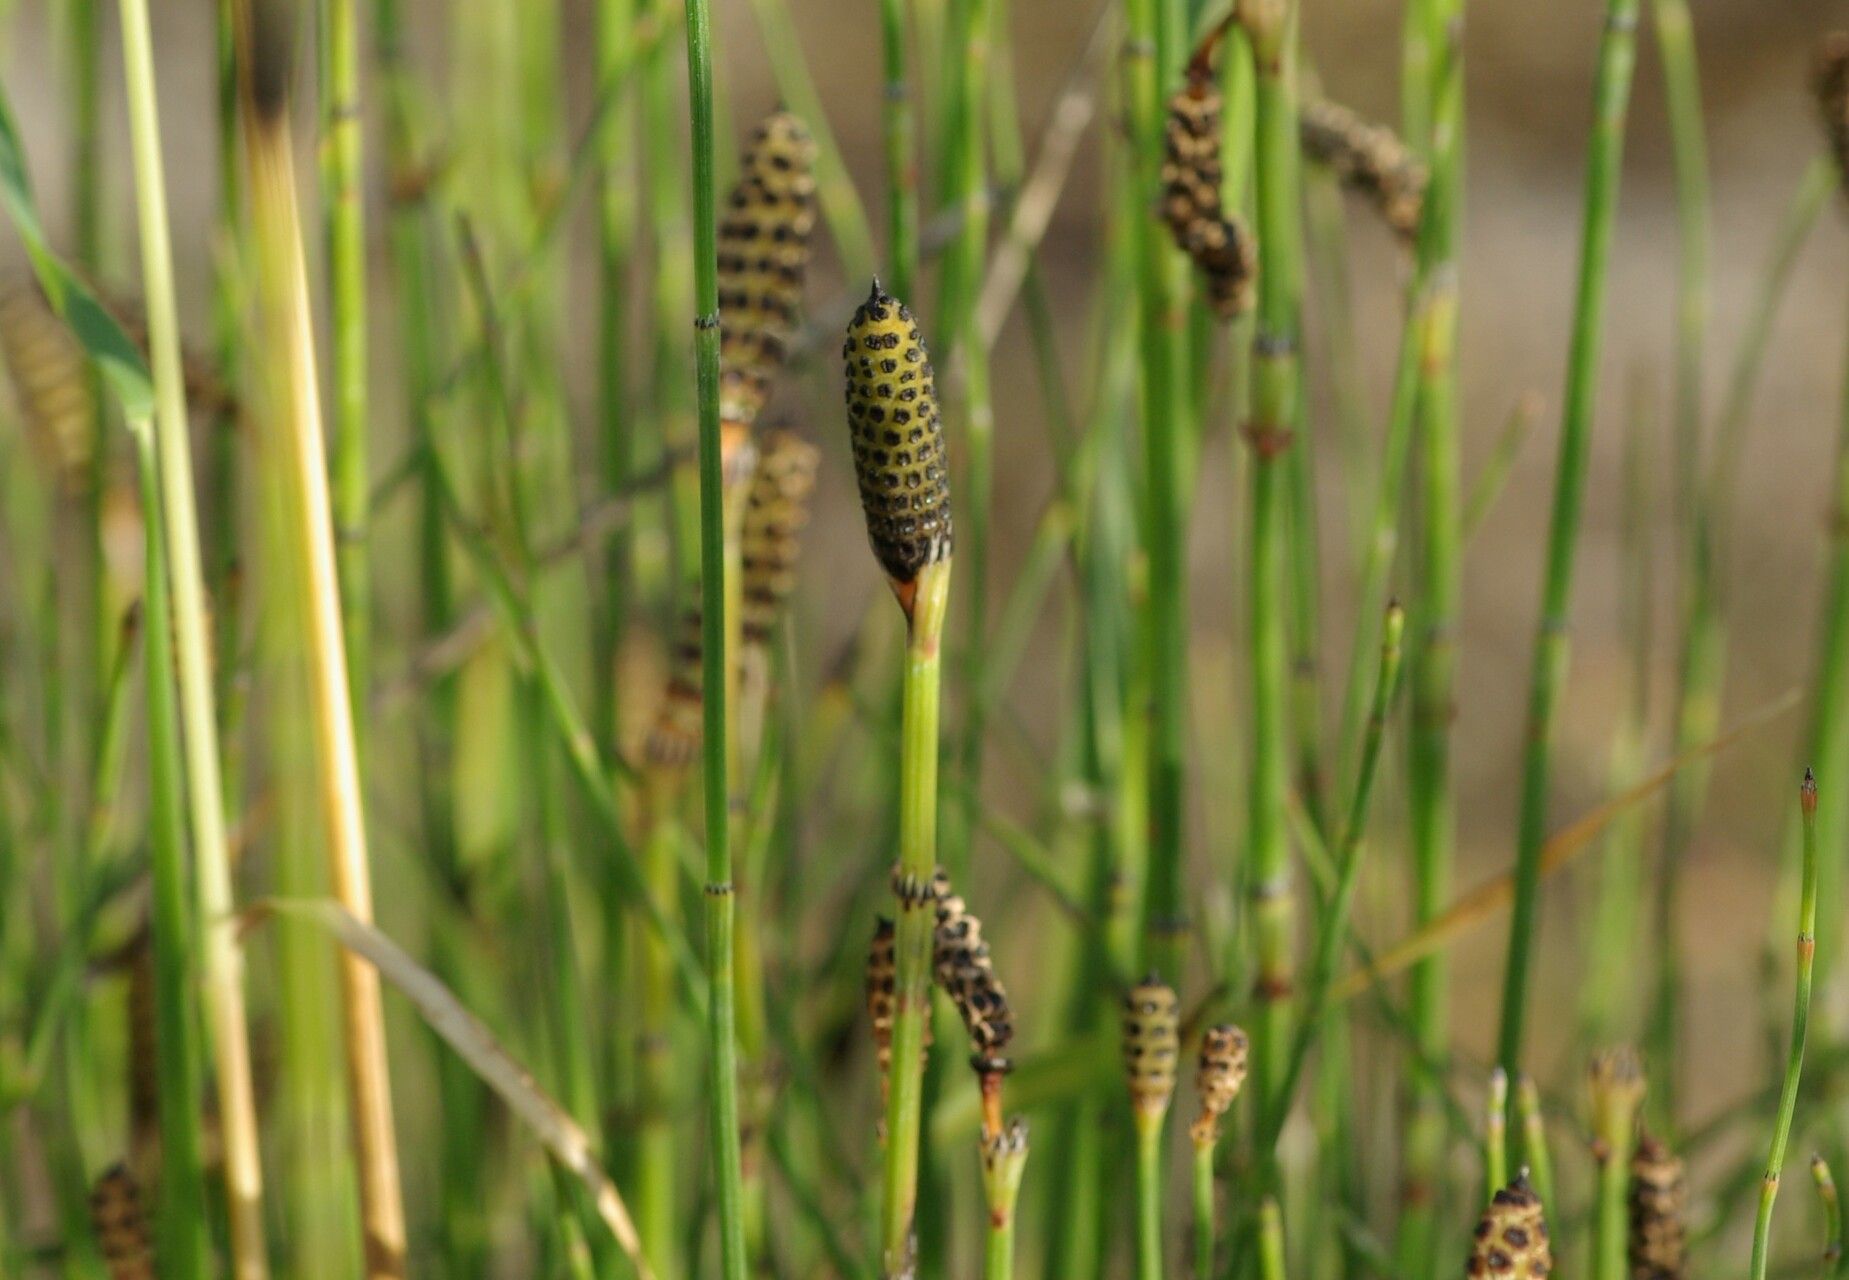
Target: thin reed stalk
1604	160
1332	929
1157	32
1800	1022
721	904
221	962
264	42
344	216
918	759
901	134
1534	1137
1496	1132
1270	25
1617	1090
183	1248
1832	1204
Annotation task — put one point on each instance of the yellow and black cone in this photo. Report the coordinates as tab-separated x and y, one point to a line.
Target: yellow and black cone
898	439
1152	1046
770	537
121	1225
1657	1246
1511	1237
1369	159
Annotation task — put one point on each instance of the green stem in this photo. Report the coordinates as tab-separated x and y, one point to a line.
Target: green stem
342	177
1332	930
720	903
1203	1210
1276	412
222	963
1149	1130
1832	1214
1157	36
1534	1138
1271	1241
901	131
1496	1134
183	1248
918	760
1431	804
1800	1021
1617	60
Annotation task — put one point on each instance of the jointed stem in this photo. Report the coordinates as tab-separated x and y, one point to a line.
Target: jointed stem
720	900
918	759
1800	1022
1617	59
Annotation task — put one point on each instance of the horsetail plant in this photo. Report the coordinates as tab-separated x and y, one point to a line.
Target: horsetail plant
964	969
904	480
1616	1086
1611	94
1004	1160
1270	25
1218	1078
167	469
1152	1050
1534	1137
721	903
1800	1023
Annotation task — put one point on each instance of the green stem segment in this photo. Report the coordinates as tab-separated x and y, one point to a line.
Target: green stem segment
1149	1130
1617	60
1276	409
342	177
1203	1210
222	961
918	758
1800	1022
183	1250
720	902
901	153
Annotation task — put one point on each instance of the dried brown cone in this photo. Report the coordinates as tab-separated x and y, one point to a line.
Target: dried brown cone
1221	247
966	972
763	254
898	439
1368	159
1511	1237
121	1225
674	738
1152	1046
770	541
1219	1077
1658	1241
1830	85
51	382
882	995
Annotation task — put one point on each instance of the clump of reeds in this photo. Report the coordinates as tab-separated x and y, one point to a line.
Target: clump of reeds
763	255
1369	159
1213	236
1658	1242
121	1225
1511	1240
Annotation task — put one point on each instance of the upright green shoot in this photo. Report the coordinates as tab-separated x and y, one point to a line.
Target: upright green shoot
1611	96
1800	1023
